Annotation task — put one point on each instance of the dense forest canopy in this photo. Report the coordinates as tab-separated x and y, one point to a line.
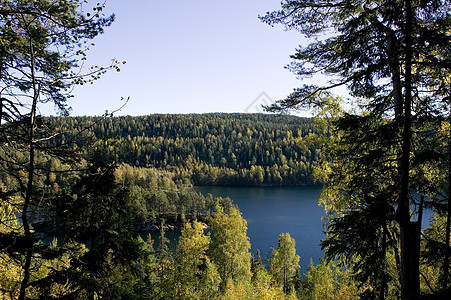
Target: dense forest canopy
210	149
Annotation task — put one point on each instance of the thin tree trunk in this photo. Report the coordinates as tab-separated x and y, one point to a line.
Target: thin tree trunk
410	231
29	189
448	223
393	56
384	283
26	226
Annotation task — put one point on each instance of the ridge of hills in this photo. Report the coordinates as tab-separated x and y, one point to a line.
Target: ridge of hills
207	149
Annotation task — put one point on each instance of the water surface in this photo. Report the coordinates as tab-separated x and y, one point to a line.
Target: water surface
270	211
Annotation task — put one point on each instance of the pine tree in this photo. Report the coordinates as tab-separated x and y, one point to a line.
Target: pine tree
41	42
395	56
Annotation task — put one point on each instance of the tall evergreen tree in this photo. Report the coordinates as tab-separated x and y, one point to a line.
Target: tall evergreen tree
40	44
395	55
97	213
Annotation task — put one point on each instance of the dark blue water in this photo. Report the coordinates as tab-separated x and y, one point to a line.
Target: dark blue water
270	211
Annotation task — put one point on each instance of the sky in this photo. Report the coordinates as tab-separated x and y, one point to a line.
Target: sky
189	56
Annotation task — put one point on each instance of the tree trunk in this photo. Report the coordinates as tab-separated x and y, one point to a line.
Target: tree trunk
25	221
448	223
393	56
410	264
384	282
29	189
410	231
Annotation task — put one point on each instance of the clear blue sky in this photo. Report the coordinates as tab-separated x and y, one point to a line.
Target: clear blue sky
188	56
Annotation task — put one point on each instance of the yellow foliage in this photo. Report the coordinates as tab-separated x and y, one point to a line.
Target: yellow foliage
11	269
10	272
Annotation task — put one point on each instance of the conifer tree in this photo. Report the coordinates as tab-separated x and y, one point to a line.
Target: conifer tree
395	56
42	43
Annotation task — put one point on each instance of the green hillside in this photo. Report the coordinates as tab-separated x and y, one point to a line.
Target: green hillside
209	149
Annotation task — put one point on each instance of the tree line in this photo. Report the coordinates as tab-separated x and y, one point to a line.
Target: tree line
209	149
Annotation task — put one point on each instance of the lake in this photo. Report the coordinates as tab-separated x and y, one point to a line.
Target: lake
270	211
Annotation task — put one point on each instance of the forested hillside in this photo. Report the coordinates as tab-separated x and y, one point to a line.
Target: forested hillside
210	149
96	184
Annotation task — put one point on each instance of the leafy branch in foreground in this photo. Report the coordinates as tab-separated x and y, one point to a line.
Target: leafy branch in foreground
41	46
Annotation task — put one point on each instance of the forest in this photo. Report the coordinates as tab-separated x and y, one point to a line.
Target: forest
79	194
208	149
